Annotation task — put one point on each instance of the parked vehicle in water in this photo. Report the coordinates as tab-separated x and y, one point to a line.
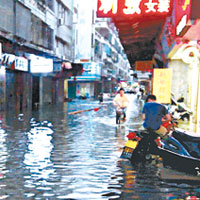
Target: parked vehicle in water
179	110
180	151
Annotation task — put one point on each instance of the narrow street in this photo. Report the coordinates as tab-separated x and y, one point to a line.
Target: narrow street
53	155
58	57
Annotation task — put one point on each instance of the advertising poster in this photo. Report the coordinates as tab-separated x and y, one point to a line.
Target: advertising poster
111	8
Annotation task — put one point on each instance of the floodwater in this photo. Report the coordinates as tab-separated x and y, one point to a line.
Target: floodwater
49	154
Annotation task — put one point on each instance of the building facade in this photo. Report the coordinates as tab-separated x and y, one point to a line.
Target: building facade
45	42
98	48
36	38
180	51
109	52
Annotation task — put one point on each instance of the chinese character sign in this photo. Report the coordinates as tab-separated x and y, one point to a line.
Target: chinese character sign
110	8
162	85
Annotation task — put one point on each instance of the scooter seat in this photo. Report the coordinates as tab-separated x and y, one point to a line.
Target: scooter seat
191	143
185	137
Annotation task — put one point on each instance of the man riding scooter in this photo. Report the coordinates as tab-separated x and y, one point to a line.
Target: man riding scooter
120	102
154	115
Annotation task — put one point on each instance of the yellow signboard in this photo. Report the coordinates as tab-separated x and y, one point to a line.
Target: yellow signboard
162	85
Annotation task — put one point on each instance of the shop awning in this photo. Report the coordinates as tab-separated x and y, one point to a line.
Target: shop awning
138	37
139	24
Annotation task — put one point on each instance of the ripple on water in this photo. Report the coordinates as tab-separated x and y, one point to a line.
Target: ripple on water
78	158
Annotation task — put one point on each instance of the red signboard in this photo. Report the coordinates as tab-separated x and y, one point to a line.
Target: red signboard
145	66
111	8
181	14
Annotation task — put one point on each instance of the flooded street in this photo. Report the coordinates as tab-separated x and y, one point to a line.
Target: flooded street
49	154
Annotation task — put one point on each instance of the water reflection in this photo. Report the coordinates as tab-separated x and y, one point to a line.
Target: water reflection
3	152
51	155
37	157
3	149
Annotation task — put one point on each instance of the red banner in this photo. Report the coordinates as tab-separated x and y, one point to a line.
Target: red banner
111	8
181	14
145	66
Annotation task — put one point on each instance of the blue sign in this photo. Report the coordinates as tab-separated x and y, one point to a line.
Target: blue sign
92	72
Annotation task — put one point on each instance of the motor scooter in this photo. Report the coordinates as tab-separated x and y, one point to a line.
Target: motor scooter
179	151
179	110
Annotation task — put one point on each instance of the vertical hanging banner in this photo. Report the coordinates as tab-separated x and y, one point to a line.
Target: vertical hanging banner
111	8
162	79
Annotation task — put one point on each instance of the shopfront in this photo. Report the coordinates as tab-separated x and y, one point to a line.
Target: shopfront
40	68
88	85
